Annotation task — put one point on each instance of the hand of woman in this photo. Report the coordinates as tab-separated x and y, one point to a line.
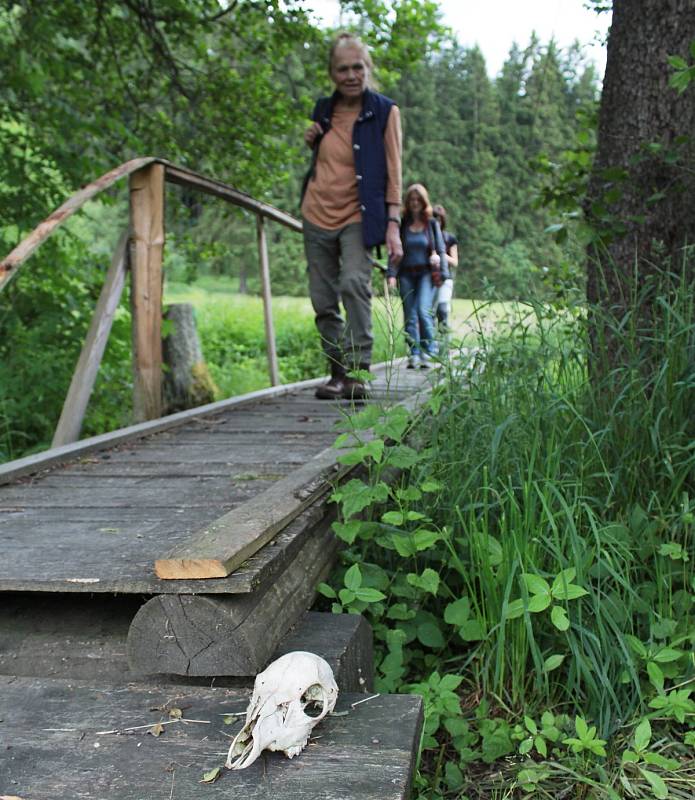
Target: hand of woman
391	282
312	132
394	246
434	260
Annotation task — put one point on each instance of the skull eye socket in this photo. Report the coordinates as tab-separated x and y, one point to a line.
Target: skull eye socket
314	700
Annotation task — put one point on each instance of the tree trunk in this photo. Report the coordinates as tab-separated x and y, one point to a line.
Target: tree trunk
187	382
641	200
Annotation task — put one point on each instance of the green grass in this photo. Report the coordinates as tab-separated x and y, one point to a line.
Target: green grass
534	570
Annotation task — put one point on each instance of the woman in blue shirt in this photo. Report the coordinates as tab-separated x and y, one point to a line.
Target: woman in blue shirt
420	272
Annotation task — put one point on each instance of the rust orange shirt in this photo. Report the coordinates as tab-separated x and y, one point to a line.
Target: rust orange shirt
331	200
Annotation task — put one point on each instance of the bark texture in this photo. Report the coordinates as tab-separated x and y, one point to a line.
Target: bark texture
642	192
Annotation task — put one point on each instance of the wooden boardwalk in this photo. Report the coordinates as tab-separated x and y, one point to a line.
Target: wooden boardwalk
92	640
97	520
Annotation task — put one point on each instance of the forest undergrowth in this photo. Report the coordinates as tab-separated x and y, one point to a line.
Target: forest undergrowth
531	572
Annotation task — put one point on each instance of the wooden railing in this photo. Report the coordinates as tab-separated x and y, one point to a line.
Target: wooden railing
140	249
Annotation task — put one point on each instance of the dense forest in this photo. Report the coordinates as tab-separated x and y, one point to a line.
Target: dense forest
228	92
530	573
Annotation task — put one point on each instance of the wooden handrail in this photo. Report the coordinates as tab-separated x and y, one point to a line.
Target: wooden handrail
146	237
179	175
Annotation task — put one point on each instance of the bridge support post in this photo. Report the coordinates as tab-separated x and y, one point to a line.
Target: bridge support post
147	246
267	301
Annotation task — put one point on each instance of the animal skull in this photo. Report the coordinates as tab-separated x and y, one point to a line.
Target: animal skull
275	718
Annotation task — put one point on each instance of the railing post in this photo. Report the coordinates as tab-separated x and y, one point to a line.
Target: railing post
147	228
267	302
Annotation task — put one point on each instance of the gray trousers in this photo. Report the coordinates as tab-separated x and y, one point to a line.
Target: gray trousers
340	270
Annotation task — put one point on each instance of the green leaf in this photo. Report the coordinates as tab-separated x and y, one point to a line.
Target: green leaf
431	486
581	727
428	581
404	544
570	592
552	662
368	595
535	584
643	734
356	495
453	776
211	776
472	631
400	611
514	609
394	425
346	596
656	676
656	782
636	645
347	531
395	518
629	757
353	578
677	62
563	578
541	746
326	590
666	655
424	539
531	726
457	613
538	603
429	634
558	616
657	760
403	457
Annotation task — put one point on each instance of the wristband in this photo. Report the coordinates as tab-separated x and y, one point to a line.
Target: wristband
394	219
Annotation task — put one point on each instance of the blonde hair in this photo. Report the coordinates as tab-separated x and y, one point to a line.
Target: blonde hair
346	39
419	189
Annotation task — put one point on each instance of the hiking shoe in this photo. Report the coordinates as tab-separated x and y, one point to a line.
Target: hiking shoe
413	361
354	389
333	390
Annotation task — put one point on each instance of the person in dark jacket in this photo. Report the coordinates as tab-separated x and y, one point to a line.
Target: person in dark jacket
420	272
350	204
442	302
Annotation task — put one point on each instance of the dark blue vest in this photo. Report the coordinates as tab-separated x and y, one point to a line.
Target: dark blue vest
370	159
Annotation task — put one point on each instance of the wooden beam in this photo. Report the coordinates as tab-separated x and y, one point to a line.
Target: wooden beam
179	175
267	301
147	225
221	547
75	406
196	635
186	177
11	263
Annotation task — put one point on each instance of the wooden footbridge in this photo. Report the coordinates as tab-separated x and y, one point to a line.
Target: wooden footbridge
149	573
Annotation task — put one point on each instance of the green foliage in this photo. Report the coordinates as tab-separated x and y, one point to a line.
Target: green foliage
537	555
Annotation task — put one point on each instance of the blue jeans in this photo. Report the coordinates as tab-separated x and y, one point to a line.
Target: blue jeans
417	294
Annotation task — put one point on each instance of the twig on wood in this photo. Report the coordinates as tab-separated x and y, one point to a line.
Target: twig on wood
366	700
151	725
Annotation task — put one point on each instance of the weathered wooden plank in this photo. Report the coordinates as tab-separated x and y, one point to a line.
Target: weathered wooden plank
114	555
218	548
56	752
84	638
82	383
203	635
56	456
147	225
